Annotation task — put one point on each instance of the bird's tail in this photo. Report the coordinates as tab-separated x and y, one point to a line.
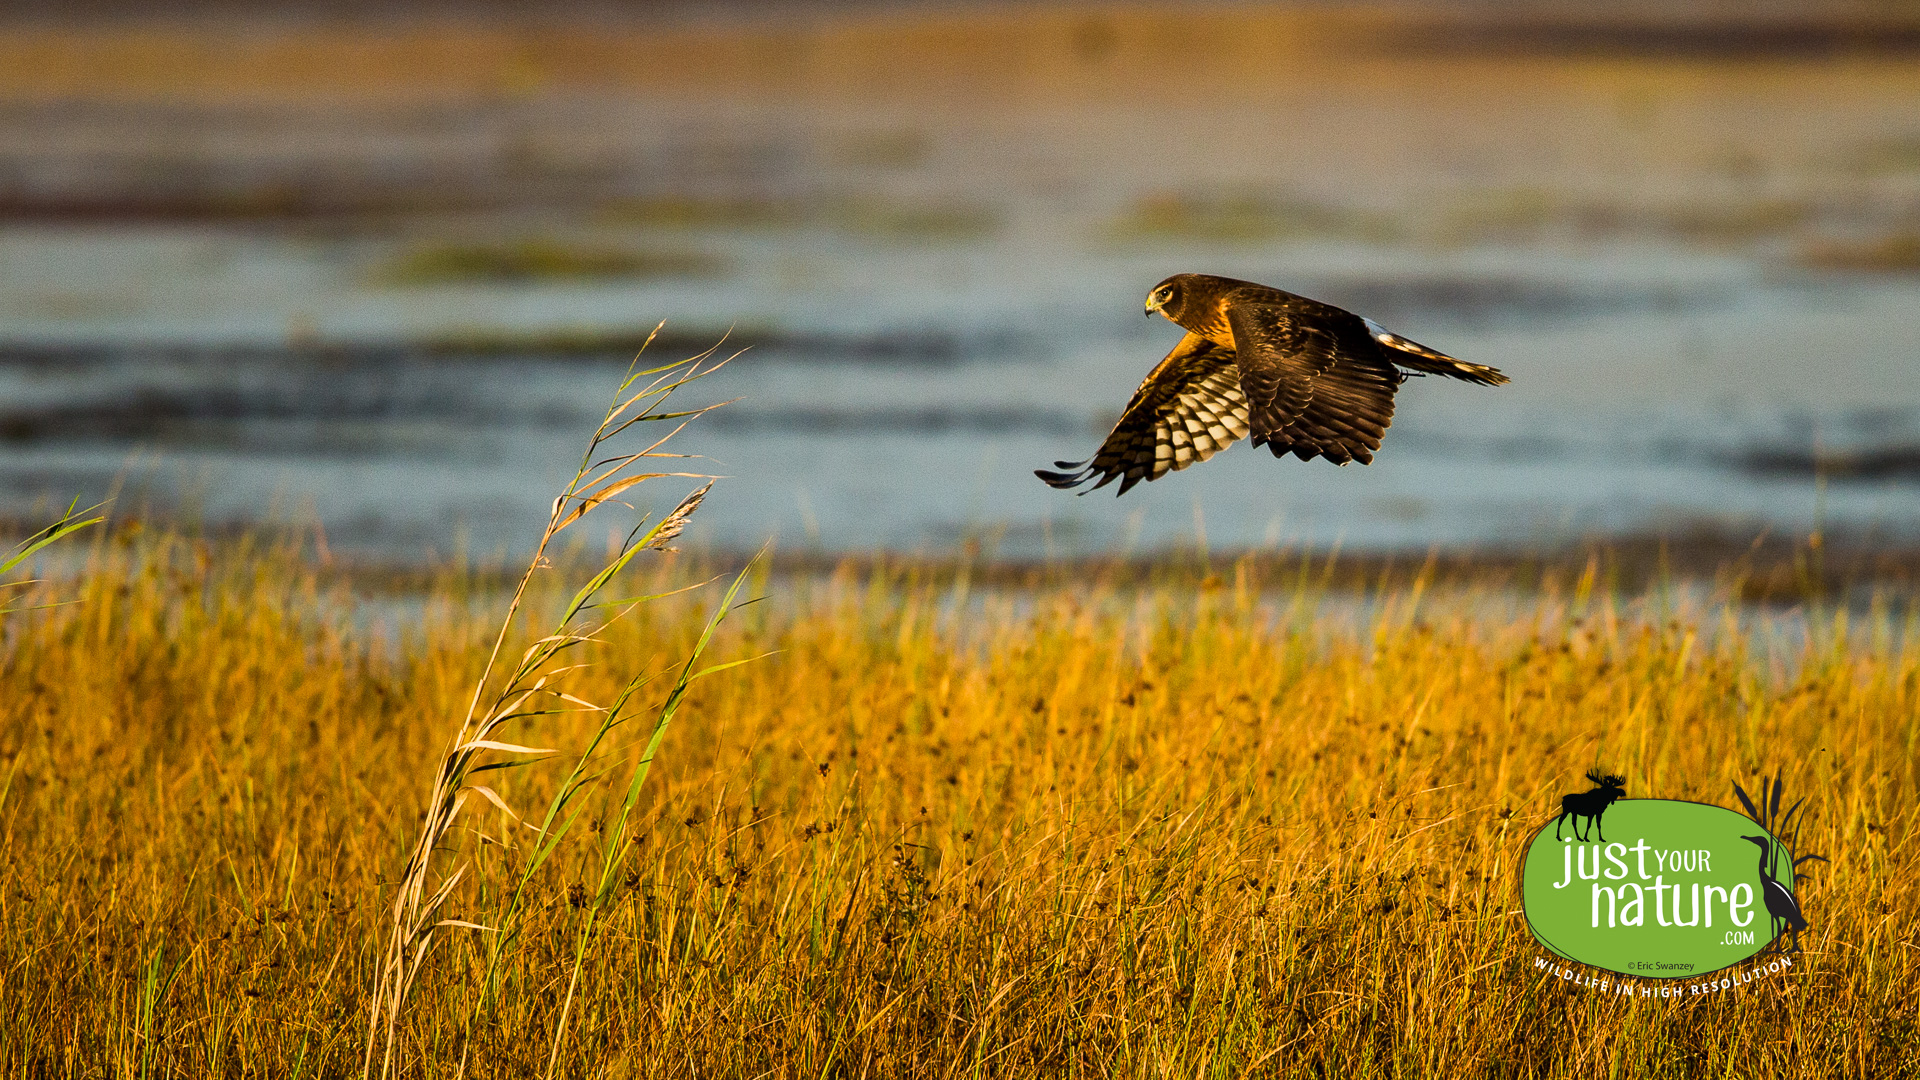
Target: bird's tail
1411	354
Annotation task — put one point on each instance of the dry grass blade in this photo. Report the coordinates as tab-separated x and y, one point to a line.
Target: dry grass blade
493	797
465	925
607	490
505	747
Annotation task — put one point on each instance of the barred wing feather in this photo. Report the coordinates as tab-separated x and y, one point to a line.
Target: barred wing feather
1190	408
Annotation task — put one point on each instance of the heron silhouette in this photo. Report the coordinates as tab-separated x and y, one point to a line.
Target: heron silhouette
1779	899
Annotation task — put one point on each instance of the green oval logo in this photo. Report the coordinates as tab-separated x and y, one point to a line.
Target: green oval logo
1656	888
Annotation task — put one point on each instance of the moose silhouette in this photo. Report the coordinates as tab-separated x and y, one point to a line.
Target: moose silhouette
1590	804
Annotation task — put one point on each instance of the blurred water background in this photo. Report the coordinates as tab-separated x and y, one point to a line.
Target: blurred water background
380	269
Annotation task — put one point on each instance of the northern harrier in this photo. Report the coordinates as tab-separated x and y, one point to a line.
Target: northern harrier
1296	374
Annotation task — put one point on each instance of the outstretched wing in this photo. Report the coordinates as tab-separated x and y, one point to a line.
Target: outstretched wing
1188	409
1316	382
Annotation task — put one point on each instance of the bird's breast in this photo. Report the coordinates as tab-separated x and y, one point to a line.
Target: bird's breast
1217	332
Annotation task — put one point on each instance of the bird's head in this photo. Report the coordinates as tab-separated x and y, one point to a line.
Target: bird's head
1167	298
1761	840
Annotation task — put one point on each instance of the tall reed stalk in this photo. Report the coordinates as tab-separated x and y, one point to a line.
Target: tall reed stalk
535	686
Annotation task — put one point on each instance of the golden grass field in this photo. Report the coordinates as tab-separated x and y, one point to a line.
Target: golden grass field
1221	823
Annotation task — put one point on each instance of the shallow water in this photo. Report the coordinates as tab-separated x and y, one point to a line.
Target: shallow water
939	302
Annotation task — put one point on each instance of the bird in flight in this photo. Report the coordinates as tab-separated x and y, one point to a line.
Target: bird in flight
1300	376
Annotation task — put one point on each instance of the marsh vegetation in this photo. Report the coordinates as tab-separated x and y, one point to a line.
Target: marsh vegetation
1216	821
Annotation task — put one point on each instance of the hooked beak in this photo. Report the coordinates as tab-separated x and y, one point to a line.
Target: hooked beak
1151	307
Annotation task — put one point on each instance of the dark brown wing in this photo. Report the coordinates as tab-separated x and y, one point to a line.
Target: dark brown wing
1351	409
1188	409
1281	353
1317	383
